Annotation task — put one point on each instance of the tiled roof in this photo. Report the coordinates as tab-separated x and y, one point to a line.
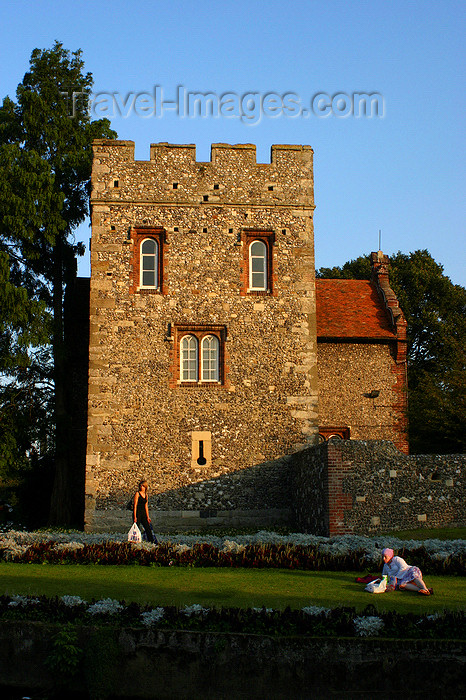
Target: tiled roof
350	309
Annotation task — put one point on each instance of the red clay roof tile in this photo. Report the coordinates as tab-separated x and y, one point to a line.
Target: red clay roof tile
350	309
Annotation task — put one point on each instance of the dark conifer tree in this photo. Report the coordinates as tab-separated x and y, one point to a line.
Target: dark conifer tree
45	168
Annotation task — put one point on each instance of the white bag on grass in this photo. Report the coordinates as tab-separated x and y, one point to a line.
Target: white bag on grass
134	535
377	586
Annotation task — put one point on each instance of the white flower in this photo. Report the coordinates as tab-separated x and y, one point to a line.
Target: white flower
69	546
152	616
434	616
369	626
17	600
195	609
11	548
266	610
181	548
22	601
72	601
315	610
440	556
107	606
234	547
14	543
143	545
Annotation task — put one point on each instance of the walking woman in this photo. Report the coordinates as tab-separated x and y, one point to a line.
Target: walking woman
141	510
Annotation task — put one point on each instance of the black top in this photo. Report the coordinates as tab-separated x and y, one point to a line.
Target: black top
141	507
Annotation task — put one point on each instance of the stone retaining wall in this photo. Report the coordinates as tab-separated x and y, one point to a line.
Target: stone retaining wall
341	486
356	486
137	663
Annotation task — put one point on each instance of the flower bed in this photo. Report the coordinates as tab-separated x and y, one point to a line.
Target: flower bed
85	644
313	621
262	550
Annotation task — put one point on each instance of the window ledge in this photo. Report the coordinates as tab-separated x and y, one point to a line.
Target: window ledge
199	385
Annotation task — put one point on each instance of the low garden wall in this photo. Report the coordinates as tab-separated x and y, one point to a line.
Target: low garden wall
138	663
355	486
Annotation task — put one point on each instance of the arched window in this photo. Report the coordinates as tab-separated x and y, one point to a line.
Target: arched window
210	359
199	356
149	264
146	268
258	266
189	359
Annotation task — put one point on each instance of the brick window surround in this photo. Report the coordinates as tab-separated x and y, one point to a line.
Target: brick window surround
267	237
138	234
327	432
199	332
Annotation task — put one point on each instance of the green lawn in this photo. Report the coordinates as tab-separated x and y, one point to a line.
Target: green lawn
444	533
222	587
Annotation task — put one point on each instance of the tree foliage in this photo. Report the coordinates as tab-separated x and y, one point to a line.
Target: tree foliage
435	310
45	167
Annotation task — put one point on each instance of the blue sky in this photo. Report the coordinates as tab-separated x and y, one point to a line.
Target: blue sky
402	173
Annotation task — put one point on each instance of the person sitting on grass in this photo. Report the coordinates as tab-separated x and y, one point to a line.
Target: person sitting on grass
401	576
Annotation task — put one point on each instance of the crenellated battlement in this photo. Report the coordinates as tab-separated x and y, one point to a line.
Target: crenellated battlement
124	150
233	175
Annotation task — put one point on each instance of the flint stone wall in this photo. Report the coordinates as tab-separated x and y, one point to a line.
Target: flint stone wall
366	487
141	421
347	372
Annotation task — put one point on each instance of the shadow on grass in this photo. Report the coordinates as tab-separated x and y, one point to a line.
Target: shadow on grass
273	588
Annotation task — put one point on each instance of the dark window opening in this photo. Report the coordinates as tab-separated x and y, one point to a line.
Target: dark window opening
336	432
201	460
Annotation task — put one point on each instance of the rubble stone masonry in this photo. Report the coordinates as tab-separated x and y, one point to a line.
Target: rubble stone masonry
206	448
369	487
347	373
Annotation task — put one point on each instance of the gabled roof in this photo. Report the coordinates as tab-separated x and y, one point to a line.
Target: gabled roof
351	309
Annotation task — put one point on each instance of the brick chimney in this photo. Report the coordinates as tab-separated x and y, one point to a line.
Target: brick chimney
380	264
380	279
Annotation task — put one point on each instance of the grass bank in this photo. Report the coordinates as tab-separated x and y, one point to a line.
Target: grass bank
212	587
444	533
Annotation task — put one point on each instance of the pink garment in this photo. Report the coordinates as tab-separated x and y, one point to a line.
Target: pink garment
388	553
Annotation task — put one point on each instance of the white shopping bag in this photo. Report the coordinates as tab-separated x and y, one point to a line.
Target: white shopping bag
134	535
377	586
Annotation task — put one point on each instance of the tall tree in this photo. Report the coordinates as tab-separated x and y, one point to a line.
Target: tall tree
435	310
24	391
46	158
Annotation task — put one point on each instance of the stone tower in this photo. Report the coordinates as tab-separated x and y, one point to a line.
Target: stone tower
202	374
